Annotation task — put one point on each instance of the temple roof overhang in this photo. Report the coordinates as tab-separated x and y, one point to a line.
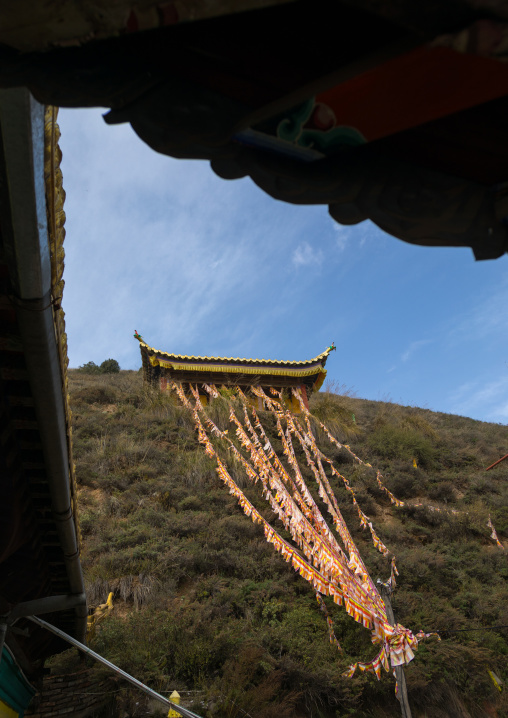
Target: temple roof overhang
235	370
390	111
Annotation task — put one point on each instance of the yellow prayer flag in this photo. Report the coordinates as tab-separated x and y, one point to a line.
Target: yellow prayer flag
496	681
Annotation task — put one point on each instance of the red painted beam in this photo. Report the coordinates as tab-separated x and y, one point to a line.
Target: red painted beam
497	462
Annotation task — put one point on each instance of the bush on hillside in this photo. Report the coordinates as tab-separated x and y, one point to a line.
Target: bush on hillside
396	441
108	366
89	368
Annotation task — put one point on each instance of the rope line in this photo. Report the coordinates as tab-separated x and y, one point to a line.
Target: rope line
445	632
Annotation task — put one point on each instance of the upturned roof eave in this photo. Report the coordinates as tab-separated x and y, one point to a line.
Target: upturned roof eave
241	362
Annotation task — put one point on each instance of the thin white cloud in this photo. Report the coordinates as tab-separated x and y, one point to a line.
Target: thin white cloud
500	412
413	348
489	399
305	256
462	391
342	236
166	247
487	318
353	237
410	352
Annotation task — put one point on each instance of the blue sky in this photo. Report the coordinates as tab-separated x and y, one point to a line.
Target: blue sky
199	265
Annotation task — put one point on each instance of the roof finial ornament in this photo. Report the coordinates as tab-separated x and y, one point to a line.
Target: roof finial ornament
138	336
332	347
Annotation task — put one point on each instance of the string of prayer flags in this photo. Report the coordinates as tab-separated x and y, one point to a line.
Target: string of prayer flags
379	479
307	439
318	553
493	535
331	569
211	390
295	536
392	581
288	552
374	666
355	558
365	522
329	622
397	502
421	636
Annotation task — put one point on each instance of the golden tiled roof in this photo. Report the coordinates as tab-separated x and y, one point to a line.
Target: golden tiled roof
165	358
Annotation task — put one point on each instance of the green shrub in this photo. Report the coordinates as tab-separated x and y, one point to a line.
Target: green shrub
442	491
109	366
336	412
398	442
89	368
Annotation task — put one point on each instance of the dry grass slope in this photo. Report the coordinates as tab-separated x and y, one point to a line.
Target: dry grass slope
205	606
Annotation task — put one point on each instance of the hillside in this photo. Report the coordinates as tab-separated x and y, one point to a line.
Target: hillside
205	605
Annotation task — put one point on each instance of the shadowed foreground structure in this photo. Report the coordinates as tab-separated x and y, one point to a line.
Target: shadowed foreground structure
39	549
394	111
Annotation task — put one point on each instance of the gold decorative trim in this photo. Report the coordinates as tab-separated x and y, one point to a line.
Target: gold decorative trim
55	198
319	381
229	369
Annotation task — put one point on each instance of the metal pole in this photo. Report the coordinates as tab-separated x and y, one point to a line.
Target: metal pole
399	670
153	694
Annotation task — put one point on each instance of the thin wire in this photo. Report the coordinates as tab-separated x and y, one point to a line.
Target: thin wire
460	630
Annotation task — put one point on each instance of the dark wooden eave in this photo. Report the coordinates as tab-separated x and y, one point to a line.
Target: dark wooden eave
39	553
197	89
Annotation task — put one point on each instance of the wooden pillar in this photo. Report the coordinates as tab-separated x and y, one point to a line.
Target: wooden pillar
399	670
303	389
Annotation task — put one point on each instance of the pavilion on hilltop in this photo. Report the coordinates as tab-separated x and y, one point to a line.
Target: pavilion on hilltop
160	368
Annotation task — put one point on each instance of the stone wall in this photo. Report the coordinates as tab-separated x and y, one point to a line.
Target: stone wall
77	695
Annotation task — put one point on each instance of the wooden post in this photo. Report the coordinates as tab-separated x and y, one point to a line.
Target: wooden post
496	462
399	670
